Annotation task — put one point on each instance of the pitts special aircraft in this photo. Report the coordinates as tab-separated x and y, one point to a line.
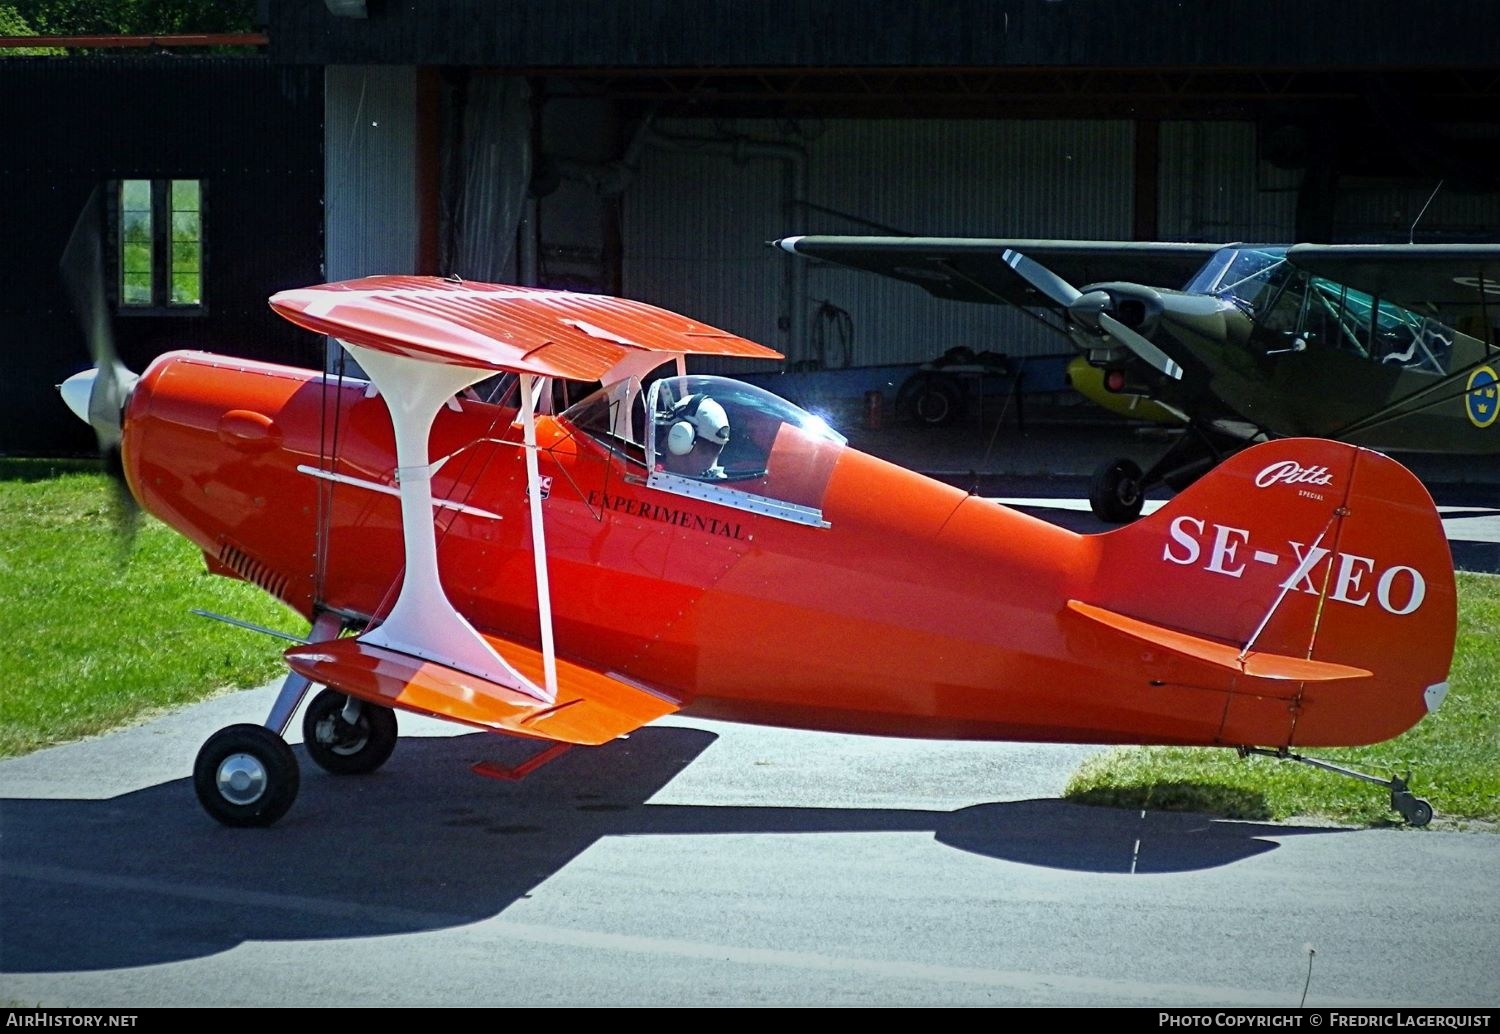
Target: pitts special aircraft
1329	341
693	544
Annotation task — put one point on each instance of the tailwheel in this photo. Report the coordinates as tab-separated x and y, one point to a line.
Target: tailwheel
1416	811
1116	496
246	775
346	736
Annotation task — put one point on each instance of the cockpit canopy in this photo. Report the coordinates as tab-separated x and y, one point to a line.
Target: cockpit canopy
717	439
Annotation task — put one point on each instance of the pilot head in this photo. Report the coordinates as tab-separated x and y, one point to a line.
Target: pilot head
694	433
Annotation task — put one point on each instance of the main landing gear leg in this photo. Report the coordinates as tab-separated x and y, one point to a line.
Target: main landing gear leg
246	775
1415	810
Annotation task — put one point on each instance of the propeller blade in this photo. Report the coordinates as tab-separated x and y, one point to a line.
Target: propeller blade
1140	345
98	395
1051	286
127	512
83	277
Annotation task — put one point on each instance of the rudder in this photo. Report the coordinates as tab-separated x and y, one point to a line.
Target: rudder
1294	552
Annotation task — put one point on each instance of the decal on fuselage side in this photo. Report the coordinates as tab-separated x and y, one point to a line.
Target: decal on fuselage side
1290	472
1482	400
668	515
1357	580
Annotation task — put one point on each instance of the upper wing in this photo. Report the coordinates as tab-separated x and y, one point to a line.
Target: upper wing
1411	275
972	269
492	326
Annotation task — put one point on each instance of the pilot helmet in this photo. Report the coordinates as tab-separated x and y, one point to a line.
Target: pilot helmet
696	417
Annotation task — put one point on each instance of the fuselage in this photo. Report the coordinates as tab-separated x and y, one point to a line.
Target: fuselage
911	608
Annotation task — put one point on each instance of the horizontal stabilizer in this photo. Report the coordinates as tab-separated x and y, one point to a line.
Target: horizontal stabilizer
591	707
1254	663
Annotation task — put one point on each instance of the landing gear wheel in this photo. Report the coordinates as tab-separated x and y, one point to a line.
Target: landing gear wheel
344	748
1116	496
934	401
246	775
1416	811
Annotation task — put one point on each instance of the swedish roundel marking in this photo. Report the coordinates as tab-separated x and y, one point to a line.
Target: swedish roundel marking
1483	399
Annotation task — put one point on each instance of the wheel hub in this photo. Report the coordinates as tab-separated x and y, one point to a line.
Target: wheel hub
241	779
341	737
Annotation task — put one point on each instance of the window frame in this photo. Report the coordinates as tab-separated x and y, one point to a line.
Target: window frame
161	303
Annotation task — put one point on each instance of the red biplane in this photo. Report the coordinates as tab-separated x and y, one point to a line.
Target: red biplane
684	543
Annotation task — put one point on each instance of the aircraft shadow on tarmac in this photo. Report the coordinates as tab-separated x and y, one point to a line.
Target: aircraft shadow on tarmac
424	844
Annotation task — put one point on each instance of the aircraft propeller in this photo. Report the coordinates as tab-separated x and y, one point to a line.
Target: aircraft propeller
1044	280
98	395
1090	310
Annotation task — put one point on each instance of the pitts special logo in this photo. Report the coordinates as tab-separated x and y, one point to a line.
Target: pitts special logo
1290	472
668	515
1356	580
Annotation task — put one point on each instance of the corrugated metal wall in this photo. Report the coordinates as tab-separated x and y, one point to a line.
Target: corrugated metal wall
695	227
1381	211
1213	188
370	149
696	223
695	220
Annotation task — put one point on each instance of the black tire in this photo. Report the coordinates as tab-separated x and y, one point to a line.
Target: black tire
1421	813
936	402
1416	811
1116	496
344	749
246	775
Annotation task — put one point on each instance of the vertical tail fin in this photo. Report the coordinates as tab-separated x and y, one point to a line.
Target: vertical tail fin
1312	577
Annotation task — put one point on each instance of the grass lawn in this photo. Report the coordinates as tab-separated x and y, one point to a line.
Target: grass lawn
94	634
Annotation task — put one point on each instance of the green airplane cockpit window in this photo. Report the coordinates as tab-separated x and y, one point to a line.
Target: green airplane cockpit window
1382	331
1294	311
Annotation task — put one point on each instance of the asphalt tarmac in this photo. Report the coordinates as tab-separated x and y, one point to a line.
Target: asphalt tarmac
700	863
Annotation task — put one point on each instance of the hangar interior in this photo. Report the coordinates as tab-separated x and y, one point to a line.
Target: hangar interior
653	149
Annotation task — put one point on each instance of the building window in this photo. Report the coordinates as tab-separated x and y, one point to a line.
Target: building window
161	245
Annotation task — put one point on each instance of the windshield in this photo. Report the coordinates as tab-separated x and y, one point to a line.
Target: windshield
1250	277
615	417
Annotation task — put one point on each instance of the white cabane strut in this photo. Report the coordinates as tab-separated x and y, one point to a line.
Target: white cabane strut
423	621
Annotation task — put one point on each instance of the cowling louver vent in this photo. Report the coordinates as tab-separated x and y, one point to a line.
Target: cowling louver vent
252	570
